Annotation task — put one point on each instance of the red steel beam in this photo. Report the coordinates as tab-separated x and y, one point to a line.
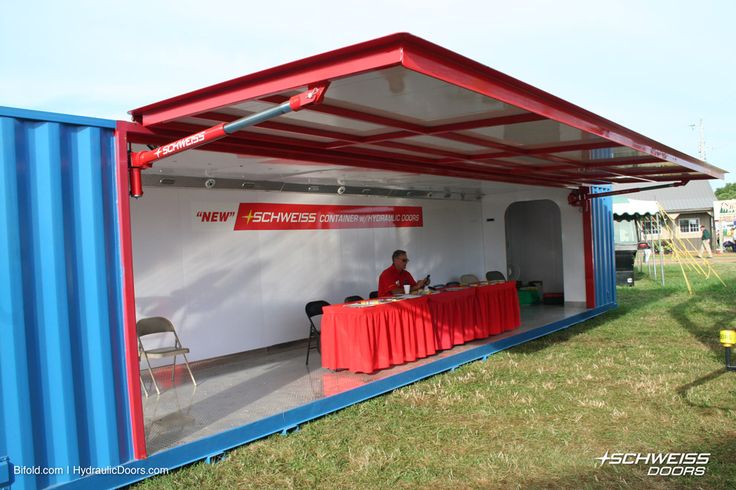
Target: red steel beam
632	173
345	139
311	96
251	138
424	130
426	58
568	147
603	164
130	337
257	148
373	55
422	57
588	250
644	180
144	159
281	126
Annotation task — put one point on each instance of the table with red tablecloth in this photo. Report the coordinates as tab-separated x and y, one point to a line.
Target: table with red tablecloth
366	339
498	308
376	337
454	317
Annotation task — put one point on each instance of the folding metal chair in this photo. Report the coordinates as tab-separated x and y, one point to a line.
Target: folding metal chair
350	299
154	325
495	276
313	308
469	279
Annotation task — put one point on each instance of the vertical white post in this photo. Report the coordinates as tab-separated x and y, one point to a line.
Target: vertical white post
661	249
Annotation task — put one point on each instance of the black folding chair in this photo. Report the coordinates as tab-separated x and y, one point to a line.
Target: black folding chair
495	276
313	308
452	283
373	295
350	299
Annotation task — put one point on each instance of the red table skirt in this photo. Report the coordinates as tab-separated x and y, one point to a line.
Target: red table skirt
367	339
498	308
454	317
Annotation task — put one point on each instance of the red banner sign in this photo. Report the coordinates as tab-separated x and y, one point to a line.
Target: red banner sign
266	216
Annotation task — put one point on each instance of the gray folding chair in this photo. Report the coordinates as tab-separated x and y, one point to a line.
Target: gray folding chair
154	325
469	279
143	385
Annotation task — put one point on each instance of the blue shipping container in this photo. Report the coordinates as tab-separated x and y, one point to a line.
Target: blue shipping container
62	374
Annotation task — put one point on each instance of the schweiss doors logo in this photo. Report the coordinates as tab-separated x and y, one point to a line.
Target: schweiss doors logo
264	216
661	464
267	216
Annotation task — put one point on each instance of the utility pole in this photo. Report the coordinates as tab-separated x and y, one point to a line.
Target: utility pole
701	139
701	155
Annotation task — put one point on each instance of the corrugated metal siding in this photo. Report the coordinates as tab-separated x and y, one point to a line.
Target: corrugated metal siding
62	375
697	195
604	259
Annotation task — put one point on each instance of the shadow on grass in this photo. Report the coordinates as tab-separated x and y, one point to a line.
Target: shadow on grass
630	301
685	390
711	393
704	323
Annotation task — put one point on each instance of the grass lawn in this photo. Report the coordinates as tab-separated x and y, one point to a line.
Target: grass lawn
646	377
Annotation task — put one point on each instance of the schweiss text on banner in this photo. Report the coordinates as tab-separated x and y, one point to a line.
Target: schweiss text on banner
267	216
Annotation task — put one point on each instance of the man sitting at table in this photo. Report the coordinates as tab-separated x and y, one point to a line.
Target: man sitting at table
393	279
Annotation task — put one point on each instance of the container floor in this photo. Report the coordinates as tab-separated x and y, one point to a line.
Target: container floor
243	388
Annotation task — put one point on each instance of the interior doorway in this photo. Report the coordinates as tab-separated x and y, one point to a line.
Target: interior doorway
534	244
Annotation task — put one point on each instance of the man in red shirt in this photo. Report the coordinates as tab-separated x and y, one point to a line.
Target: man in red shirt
392	279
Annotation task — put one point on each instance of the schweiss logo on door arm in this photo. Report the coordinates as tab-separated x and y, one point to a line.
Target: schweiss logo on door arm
178	145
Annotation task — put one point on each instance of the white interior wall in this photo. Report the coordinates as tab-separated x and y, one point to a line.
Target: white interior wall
494	206
231	291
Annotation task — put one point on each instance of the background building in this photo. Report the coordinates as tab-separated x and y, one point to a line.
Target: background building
690	206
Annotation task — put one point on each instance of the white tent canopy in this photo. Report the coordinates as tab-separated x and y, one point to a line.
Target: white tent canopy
625	209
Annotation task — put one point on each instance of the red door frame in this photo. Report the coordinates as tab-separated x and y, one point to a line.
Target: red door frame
135	404
588	250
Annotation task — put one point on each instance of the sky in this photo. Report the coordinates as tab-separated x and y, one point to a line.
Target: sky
656	67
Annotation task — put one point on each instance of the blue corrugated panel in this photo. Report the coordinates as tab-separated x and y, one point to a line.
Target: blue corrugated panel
62	376
603	254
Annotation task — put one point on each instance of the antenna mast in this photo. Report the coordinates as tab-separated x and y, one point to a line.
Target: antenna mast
701	141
